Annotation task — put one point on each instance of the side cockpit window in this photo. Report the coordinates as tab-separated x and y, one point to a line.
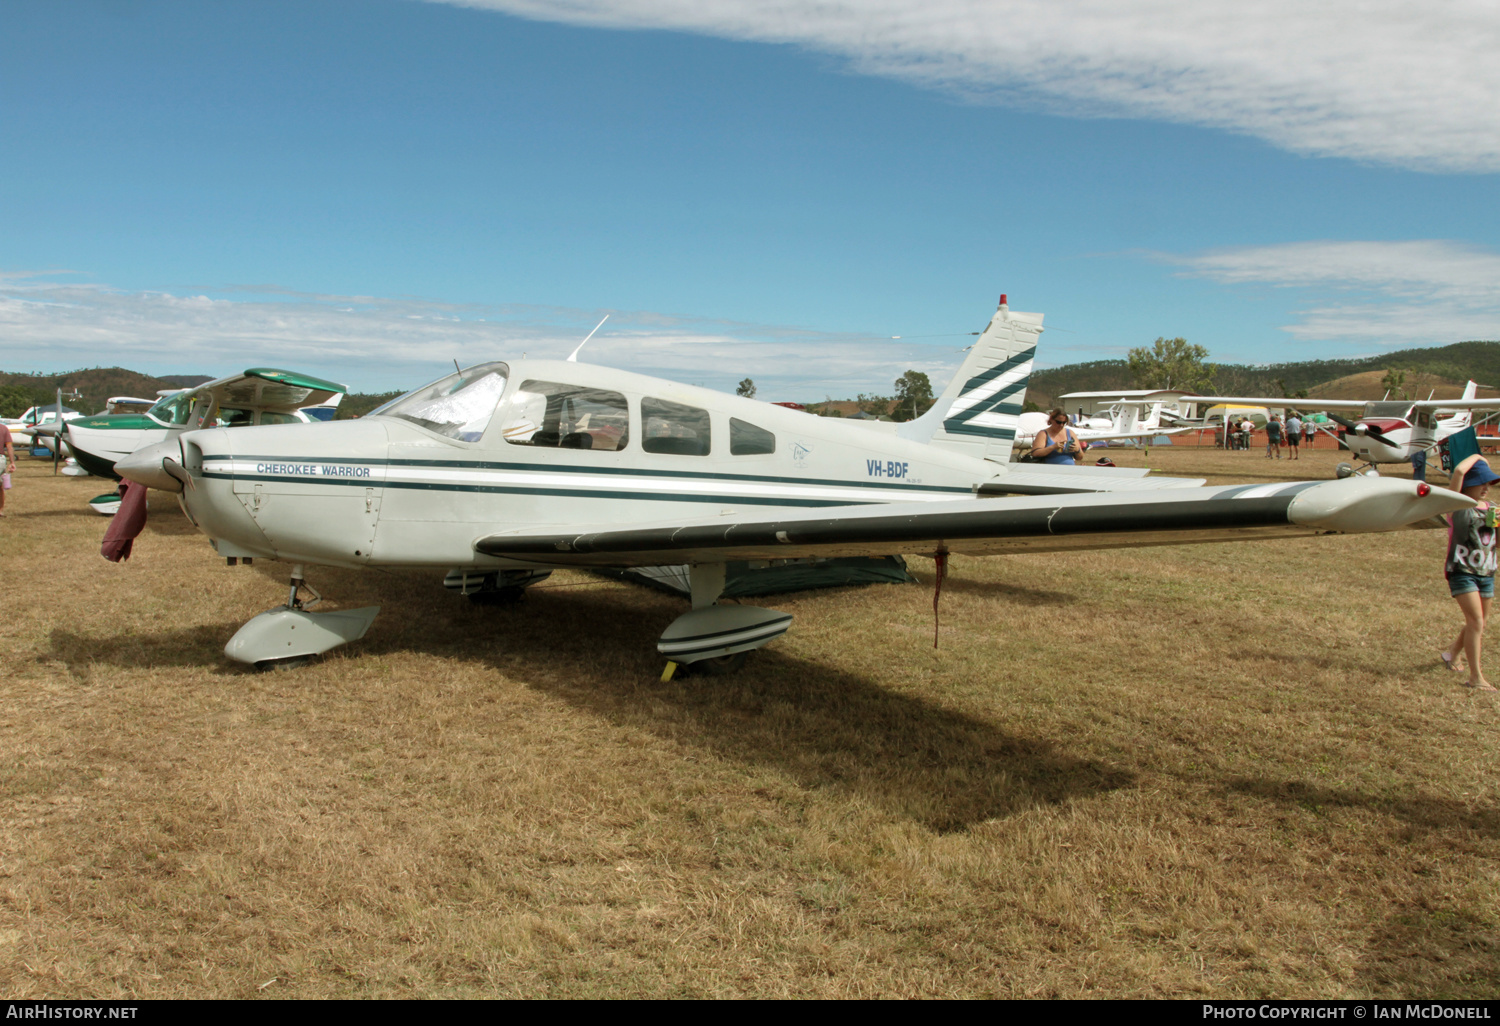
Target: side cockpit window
553	415
746	439
459	406
668	427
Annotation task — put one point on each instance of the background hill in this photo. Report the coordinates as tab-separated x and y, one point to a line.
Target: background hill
18	391
1444	368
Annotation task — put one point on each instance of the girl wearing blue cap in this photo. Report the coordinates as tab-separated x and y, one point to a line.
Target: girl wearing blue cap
1470	567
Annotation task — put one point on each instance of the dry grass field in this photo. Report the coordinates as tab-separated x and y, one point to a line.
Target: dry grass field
1228	770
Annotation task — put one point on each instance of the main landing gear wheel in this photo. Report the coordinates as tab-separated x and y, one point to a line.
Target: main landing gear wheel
719	666
506	596
273	665
493	587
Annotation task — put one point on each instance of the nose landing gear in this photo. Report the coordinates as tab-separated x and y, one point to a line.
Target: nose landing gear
290	635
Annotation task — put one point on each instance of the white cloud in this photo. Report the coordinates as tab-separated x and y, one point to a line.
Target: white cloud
375	344
1389	81
1424	291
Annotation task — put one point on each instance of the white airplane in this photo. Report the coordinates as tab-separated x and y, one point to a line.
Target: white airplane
1386	430
1123	422
504	471
260	395
24	429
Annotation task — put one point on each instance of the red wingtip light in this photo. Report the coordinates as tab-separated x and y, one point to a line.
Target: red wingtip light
1423	488
1002	299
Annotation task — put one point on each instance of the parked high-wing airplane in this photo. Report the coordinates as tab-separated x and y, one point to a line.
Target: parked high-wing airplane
23	429
1386	430
1124	422
260	395
503	471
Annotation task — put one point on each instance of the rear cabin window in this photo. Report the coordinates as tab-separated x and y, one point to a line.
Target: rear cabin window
459	406
268	417
675	429
554	415
748	440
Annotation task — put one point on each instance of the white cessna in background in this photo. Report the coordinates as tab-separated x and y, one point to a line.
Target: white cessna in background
1386	430
258	396
503	471
1123	422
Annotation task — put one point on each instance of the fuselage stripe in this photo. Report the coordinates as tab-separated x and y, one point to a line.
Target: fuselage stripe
535	468
580	492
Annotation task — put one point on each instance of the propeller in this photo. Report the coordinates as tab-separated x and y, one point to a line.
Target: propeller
1370	430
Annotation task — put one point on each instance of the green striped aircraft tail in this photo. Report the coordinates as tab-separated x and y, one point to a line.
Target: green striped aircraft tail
977	413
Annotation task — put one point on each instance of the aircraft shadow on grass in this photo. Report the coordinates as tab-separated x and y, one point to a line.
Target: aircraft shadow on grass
1431	948
999	589
824	727
1426	812
1430	945
41	514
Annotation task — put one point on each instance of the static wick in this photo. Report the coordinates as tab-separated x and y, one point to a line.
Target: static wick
941	559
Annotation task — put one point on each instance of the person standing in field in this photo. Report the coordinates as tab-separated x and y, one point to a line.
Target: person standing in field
1273	436
1293	434
1470	566
10	465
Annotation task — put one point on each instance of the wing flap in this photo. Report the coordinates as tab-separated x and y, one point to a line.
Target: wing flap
1283	403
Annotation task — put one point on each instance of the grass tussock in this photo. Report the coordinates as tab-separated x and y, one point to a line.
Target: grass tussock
1229	770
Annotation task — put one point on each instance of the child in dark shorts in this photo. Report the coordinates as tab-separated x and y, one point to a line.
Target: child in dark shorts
1470	566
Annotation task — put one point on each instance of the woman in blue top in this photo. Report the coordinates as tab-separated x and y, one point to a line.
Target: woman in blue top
1470	566
1055	443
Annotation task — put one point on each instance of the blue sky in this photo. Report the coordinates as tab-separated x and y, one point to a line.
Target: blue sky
372	188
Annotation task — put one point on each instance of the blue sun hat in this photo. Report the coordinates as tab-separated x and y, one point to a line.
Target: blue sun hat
1480	474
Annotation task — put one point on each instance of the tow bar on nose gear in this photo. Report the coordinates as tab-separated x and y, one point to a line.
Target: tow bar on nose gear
290	635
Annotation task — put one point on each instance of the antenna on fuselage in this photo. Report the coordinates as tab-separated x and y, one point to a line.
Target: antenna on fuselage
573	358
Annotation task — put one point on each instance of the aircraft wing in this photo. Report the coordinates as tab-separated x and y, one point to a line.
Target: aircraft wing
265	388
995	526
1285	402
1149	433
1458	404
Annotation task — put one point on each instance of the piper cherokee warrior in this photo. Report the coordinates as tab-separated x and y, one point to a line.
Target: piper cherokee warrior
503	472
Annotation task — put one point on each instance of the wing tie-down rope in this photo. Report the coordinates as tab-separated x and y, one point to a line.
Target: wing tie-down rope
941	559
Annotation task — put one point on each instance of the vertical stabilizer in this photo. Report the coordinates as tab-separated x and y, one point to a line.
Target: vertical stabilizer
978	412
1462	418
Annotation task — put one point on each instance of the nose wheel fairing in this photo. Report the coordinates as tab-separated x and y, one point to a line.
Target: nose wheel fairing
292	633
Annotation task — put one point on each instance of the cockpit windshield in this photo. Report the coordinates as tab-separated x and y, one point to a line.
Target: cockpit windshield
1389	411
459	406
172	410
